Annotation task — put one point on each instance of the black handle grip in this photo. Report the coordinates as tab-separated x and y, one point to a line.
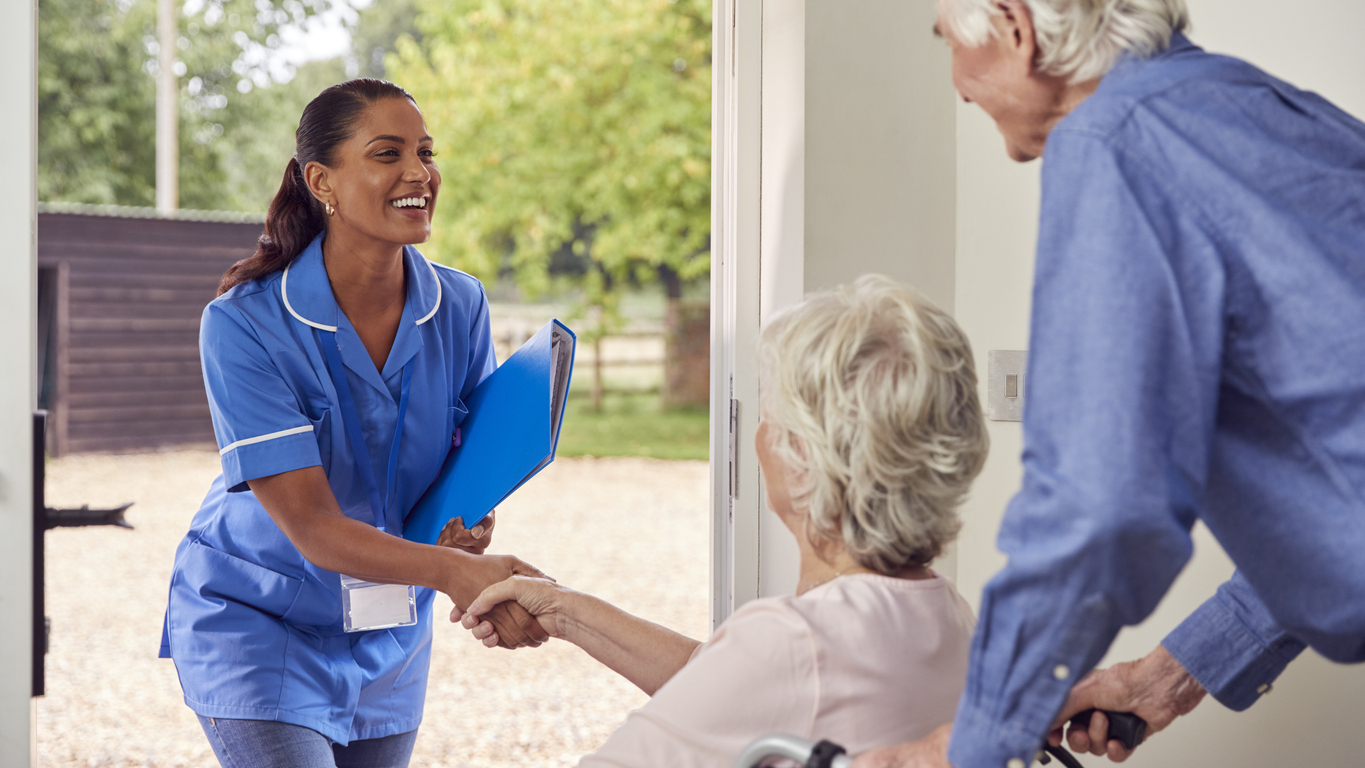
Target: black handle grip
822	754
1125	727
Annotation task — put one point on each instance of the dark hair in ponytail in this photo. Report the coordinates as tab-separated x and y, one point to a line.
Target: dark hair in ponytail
295	216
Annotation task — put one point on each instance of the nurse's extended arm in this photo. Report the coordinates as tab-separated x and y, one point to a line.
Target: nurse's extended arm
302	505
643	652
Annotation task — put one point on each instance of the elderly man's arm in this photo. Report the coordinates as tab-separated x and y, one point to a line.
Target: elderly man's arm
1155	688
1122	393
1231	647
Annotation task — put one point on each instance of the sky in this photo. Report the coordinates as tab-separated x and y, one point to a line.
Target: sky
325	38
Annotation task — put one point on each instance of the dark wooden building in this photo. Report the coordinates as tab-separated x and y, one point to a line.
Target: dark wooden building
120	292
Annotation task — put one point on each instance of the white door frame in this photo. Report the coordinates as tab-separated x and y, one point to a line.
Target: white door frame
757	183
18	316
736	131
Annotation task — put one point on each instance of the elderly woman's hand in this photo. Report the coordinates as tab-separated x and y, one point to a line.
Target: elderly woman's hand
474	540
542	598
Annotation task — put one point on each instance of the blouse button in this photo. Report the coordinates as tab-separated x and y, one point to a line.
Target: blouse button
1061	672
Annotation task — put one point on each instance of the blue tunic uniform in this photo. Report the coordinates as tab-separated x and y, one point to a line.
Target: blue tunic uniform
254	629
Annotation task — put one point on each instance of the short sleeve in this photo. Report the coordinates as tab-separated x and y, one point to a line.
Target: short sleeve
756	676
260	427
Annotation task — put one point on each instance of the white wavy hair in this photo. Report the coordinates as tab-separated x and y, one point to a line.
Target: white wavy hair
869	392
1077	39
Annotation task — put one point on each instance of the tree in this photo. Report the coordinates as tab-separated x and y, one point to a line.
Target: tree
377	31
580	124
97	101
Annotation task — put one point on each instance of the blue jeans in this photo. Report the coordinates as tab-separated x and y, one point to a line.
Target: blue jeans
270	744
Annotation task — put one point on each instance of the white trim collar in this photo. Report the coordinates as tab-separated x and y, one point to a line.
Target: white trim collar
436	305
284	293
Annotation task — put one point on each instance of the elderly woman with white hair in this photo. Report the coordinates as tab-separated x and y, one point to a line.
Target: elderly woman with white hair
871	434
1196	353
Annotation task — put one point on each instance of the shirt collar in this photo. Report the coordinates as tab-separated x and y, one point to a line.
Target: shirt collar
1180	44
307	295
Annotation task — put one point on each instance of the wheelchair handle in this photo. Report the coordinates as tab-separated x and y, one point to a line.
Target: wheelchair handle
1126	727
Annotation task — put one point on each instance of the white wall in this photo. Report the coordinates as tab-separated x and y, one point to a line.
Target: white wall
18	287
858	168
1310	717
879	132
782	232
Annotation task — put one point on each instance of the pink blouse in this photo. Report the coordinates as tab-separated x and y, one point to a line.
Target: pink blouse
864	660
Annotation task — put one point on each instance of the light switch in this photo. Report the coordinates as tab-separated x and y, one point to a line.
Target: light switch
1005	384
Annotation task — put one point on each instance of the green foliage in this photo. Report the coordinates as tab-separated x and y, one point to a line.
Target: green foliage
96	105
376	33
578	124
634	425
97	64
258	136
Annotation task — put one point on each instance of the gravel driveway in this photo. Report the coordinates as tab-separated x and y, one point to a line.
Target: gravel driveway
633	531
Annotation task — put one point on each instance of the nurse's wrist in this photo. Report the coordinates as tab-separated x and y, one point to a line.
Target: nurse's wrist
456	577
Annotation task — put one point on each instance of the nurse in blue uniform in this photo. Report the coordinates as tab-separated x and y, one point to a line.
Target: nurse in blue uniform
337	361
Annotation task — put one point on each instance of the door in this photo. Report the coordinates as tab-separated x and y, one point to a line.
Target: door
18	288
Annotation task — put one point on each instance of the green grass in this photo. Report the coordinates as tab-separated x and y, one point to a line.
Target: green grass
633	425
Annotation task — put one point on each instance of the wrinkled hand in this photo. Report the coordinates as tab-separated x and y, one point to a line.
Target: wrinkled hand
929	752
1155	688
542	598
516	628
474	540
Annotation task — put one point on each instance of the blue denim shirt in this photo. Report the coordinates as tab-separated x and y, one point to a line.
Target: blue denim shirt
1197	352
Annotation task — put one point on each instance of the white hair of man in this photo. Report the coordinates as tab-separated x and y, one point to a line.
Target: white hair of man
1077	39
870	396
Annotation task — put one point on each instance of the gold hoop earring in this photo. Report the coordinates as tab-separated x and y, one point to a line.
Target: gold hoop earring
330	209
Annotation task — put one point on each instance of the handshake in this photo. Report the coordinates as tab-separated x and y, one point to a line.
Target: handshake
504	601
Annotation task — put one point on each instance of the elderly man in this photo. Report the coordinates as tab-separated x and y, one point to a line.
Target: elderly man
1198	351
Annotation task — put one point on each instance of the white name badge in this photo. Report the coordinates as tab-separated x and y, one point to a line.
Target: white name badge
367	605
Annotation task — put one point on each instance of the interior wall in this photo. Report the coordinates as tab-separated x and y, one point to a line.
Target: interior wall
1309	717
879	132
858	169
782	232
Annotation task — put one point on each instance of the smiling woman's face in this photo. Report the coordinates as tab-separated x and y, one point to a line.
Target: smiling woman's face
384	180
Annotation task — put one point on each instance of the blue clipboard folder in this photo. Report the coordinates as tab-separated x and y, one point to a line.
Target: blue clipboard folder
509	435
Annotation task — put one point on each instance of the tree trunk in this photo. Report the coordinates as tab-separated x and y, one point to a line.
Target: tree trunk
597	375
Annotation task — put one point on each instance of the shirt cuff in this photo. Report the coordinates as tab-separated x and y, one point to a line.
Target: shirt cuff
283	451
980	741
1233	648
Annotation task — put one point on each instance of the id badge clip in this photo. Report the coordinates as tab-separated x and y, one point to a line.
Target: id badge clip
366	605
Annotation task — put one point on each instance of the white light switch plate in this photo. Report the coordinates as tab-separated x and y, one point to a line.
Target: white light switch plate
1000	365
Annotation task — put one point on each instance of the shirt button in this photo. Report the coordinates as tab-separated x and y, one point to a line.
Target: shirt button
1264	689
1014	763
1061	672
